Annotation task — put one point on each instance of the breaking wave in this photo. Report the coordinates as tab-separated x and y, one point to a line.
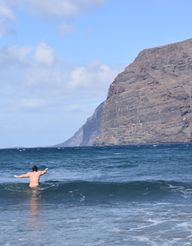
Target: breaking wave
99	191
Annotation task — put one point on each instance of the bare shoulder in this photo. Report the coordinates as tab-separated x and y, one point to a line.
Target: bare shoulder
40	172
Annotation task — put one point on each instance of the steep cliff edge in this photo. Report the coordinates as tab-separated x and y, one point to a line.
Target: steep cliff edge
87	134
149	102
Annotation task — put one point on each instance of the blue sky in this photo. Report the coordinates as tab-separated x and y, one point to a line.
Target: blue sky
58	58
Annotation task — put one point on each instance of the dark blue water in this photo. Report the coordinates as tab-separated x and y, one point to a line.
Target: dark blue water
136	195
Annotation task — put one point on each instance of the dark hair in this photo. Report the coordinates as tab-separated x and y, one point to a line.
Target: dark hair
34	168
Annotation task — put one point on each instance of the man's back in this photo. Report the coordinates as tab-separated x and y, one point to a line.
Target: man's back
33	176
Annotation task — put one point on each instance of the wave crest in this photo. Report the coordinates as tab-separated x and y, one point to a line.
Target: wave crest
100	191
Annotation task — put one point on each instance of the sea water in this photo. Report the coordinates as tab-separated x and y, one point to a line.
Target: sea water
127	196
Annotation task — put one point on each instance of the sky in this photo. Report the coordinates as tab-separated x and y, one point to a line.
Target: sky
58	58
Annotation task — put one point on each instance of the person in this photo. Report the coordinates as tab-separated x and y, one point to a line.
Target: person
34	176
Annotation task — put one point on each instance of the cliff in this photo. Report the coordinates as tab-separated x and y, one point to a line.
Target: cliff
149	102
87	134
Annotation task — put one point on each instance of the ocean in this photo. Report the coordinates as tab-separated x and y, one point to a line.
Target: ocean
126	196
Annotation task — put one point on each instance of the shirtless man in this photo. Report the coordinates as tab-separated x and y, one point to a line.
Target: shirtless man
33	176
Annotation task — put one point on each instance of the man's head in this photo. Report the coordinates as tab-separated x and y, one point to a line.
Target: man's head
34	168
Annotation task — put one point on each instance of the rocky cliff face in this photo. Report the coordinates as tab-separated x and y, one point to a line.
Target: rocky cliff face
149	102
87	134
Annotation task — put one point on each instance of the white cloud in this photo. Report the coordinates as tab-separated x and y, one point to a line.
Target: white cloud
78	77
6	11
3	28
6	15
47	8
14	55
61	10
44	54
41	67
94	75
61	79
56	8
65	28
37	96
33	78
72	107
31	103
41	77
17	52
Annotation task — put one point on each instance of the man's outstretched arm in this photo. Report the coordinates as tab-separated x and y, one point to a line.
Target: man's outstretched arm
44	171
26	175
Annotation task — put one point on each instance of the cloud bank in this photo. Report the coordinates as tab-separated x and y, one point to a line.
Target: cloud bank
65	11
41	93
36	77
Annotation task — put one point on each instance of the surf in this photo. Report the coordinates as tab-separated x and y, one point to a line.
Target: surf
75	191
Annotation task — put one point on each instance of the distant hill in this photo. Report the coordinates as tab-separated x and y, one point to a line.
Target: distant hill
149	102
87	134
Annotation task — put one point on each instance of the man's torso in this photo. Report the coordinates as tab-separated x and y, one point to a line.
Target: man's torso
34	179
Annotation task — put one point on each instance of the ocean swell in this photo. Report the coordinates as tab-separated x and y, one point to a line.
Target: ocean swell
100	191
